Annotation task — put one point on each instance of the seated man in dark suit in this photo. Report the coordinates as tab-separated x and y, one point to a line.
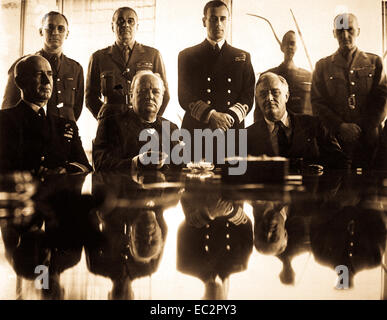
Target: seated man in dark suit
31	139
118	144
283	133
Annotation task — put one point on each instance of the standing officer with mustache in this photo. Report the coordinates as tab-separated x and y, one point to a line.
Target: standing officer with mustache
112	69
349	90
68	89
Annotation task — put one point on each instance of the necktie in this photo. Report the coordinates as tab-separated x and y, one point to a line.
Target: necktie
217	48
41	113
54	62
283	143
126	53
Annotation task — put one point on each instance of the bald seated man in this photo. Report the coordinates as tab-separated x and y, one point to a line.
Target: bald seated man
117	144
280	132
298	79
349	92
32	139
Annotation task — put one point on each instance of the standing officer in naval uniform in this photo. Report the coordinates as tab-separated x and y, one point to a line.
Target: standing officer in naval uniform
67	95
215	80
349	93
112	69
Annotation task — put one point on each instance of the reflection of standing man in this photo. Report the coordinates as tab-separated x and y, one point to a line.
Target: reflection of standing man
119	63
216	80
298	79
68	90
349	92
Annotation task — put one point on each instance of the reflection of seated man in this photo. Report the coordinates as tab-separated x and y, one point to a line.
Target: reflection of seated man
270	235
282	230
31	139
130	246
214	241
283	133
42	238
117	144
299	79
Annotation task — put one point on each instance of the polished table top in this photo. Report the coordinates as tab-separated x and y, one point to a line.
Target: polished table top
189	235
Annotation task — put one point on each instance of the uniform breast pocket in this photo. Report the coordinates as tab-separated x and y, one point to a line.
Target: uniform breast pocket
69	91
336	84
366	78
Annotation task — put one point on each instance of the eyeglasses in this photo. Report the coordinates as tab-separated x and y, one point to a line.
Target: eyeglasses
130	21
51	28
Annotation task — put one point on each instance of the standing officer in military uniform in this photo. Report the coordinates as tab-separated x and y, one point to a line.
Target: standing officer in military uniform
215	80
349	93
298	79
67	96
112	69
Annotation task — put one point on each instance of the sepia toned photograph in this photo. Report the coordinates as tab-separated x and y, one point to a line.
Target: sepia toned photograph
182	151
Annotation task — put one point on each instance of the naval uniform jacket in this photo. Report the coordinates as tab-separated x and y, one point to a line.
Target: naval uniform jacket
210	81
109	75
309	140
117	140
25	145
67	95
342	93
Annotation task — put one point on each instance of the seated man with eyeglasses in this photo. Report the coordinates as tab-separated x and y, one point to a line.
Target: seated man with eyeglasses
119	63
123	136
68	87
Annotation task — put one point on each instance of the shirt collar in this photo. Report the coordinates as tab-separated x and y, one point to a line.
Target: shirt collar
122	46
35	107
285	121
213	43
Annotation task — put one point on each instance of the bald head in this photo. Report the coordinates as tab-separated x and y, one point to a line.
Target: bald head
147	94
33	75
346	30
289	45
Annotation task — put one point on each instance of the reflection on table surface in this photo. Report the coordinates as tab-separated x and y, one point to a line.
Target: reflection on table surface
189	235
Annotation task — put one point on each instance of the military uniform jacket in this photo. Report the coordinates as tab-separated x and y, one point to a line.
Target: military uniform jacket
208	80
309	140
25	145
67	95
342	93
117	140
108	74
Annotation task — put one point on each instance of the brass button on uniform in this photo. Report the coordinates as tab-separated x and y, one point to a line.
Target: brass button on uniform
42	158
351	71
228	103
208	90
229	79
59	91
228	91
208	101
352	83
208	79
